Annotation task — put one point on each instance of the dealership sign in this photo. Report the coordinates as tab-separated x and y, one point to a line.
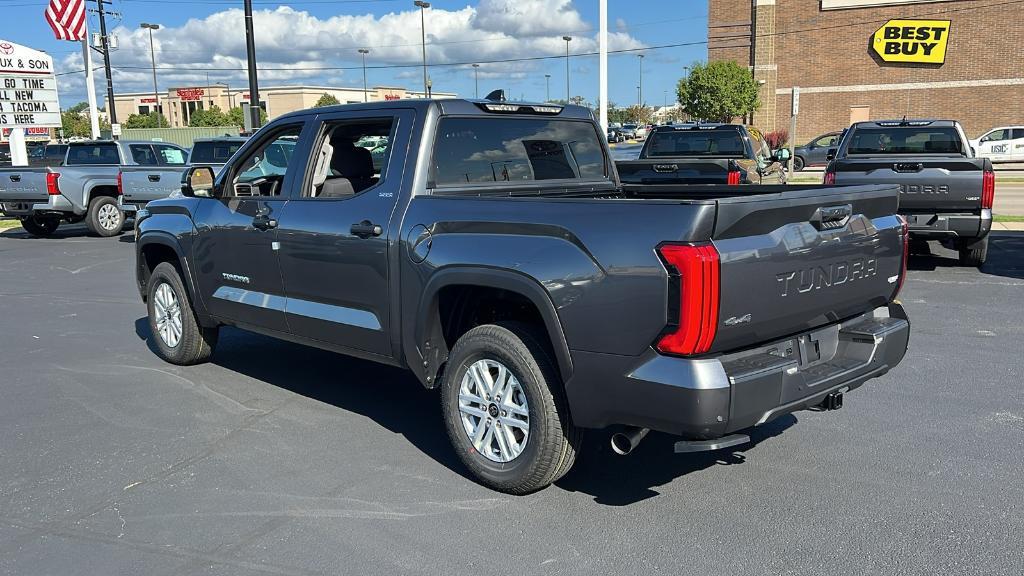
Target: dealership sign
28	88
917	41
190	94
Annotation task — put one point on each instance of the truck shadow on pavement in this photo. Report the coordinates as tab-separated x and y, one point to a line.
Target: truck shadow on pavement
1005	256
65	232
395	400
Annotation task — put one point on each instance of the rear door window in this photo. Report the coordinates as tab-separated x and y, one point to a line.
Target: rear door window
496	149
170	155
905	140
143	155
86	154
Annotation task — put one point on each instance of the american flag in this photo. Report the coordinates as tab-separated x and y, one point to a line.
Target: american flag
67	18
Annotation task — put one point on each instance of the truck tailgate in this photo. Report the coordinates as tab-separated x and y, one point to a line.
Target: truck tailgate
23	185
143	184
675	171
801	259
926	185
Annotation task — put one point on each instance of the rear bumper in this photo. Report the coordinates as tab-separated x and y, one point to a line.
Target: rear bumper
710	397
52	205
940	226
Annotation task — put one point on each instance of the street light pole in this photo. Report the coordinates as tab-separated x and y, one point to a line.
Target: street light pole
476	80
363	52
423	41
567	96
250	52
547	88
640	88
152	59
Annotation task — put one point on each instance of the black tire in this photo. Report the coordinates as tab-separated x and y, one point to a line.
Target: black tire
553	441
798	164
101	219
40	226
195	343
973	253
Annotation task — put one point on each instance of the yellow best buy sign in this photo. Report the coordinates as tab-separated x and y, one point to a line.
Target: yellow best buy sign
920	41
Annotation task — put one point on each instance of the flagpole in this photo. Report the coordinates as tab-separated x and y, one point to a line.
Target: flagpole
90	87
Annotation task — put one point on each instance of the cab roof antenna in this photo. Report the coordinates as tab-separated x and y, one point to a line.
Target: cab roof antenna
496	96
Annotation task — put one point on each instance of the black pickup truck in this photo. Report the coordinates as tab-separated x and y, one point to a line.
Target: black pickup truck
702	153
494	253
946	193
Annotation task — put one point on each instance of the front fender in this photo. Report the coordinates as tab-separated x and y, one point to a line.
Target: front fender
174	231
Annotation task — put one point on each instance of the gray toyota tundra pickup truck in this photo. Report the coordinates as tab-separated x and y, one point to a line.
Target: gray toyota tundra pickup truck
87	185
946	193
495	254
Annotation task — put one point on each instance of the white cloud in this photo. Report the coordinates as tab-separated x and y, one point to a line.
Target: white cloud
294	46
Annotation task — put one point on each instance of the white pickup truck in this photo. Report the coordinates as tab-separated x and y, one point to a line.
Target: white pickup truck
86	185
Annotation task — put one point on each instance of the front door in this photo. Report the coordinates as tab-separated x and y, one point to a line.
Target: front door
1017	145
236	237
336	234
995	145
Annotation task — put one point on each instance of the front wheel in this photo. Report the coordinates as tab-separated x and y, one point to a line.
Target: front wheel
798	164
505	409
39	226
178	337
104	217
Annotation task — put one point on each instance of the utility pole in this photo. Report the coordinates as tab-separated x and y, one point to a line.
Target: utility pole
105	49
567	40
640	88
250	52
423	42
363	52
547	89
476	80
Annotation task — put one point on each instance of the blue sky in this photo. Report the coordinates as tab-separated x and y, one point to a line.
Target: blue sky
312	41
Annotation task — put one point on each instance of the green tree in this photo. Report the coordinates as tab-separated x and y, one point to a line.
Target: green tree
151	120
80	107
639	114
326	100
237	118
212	117
75	125
719	91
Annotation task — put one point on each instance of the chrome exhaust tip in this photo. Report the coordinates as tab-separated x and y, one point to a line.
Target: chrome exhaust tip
624	442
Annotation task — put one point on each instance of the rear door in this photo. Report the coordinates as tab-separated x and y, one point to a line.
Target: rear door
1017	145
236	232
804	258
335	235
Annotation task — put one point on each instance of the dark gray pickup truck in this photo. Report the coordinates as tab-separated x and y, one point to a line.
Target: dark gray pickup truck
946	193
494	253
704	153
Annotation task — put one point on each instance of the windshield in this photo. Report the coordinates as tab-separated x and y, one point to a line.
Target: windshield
695	142
905	140
213	152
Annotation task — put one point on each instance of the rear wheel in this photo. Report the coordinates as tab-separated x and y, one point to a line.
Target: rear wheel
798	164
973	253
505	409
104	217
40	226
178	337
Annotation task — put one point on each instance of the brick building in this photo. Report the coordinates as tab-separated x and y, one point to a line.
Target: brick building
825	48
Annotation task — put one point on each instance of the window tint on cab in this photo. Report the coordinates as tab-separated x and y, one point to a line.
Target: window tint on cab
479	150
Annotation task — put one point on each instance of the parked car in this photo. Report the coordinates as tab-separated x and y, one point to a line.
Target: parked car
628	131
87	184
705	154
1005	144
945	193
615	136
815	152
496	256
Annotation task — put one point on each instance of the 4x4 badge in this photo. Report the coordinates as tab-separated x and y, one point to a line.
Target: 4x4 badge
740	320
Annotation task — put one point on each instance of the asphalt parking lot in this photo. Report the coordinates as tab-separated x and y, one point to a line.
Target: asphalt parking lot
279	459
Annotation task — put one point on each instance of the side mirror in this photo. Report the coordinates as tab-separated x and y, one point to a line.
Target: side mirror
782	155
831	154
197	182
974	153
983	140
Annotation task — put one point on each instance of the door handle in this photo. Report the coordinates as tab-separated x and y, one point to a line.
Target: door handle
366	229
15	177
154	177
263	221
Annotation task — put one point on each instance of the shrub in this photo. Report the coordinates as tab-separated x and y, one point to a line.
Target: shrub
777	138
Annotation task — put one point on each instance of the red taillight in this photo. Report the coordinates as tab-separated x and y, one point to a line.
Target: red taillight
905	237
51	184
733	178
120	187
693	306
830	177
988	189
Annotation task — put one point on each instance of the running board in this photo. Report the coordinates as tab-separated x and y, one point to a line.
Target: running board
684	446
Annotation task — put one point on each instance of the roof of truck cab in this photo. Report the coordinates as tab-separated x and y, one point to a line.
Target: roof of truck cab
450	106
907	122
